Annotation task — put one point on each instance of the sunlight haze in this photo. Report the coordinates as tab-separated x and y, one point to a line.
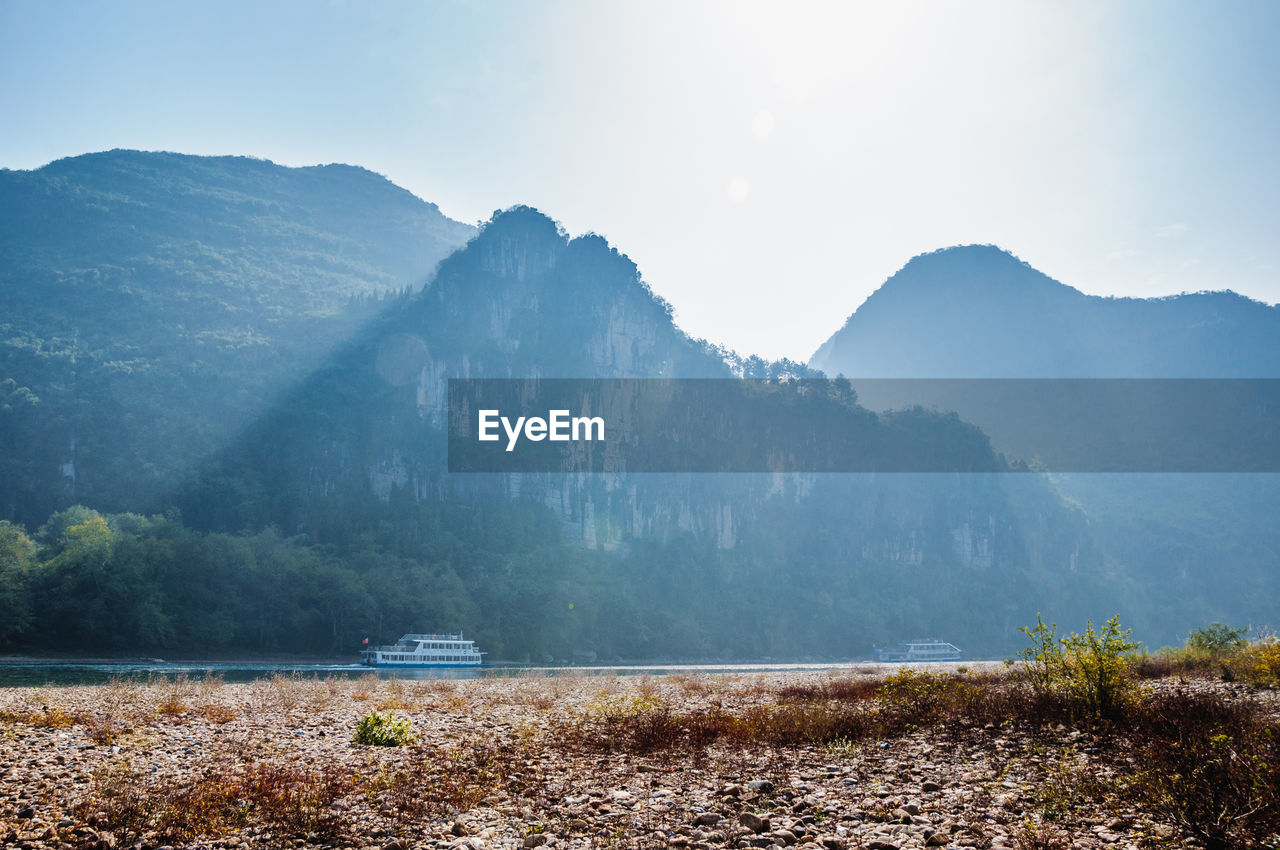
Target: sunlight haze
766	165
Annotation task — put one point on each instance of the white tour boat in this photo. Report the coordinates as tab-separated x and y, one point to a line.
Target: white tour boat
926	649
446	650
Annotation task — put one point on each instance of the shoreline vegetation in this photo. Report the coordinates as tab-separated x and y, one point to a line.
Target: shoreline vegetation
1085	744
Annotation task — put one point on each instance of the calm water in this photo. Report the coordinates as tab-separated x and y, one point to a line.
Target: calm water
29	673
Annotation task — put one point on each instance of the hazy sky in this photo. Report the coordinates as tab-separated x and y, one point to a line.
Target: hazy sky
767	165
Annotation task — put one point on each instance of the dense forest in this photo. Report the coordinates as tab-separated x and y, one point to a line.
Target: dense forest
796	585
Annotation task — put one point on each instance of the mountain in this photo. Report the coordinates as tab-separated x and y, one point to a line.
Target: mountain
1190	548
152	303
978	312
258	359
656	565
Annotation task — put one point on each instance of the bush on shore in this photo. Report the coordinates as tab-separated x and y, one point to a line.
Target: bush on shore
1092	670
383	729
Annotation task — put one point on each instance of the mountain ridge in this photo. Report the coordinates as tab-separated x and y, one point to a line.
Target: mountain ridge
924	321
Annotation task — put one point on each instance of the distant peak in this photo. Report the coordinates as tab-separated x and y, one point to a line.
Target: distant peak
129	156
973	253
118	155
523	219
970	268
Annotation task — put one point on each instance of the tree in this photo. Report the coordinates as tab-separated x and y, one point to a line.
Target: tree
1217	639
17	553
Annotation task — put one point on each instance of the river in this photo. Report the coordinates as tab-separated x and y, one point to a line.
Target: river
33	672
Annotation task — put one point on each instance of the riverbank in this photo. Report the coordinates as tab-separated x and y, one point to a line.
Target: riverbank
19	671
816	759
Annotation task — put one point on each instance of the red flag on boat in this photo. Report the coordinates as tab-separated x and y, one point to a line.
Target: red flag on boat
366	640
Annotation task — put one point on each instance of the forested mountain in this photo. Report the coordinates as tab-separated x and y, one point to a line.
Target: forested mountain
700	566
152	303
978	312
1189	546
326	514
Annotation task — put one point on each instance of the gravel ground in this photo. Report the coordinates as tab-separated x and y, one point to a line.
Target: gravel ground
496	764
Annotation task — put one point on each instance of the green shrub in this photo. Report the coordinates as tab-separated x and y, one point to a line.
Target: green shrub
383	729
917	697
1098	668
1044	660
1091	669
1217	639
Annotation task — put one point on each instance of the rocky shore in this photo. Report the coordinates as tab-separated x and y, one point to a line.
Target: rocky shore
538	762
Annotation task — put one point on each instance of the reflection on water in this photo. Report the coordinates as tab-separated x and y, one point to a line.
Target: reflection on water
30	673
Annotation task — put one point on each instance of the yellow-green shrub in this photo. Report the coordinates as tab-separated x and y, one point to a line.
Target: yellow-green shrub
1092	669
1258	664
383	729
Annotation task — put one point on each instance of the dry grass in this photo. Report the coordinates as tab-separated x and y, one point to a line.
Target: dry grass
223	798
847	711
1210	765
102	729
173	706
46	717
217	713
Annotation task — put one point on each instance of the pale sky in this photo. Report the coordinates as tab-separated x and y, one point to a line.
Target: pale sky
767	165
